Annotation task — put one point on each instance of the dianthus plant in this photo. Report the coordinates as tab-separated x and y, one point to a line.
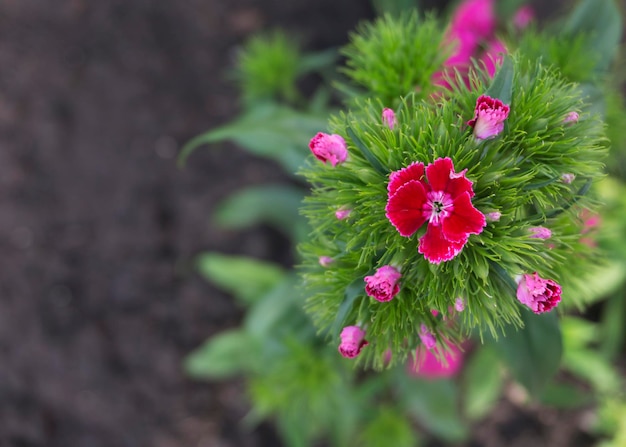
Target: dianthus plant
451	213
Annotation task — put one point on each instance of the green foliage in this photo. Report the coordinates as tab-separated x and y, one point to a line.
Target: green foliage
483	382
392	58
517	173
274	205
267	68
267	130
242	276
533	354
389	427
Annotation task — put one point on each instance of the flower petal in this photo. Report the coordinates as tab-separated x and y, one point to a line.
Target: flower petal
414	171
436	248
463	220
405	208
438	173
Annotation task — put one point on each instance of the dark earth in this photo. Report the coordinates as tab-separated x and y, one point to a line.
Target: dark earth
98	227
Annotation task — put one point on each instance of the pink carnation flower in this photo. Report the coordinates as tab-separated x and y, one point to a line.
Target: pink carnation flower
540	295
540	233
459	304
329	148
489	116
352	341
383	285
429	366
389	118
568	178
494	216
444	201
428	338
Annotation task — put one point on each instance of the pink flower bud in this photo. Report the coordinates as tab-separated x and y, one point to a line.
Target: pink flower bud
523	17
427	337
389	118
459	305
540	233
540	295
494	216
325	261
571	118
330	148
489	116
352	341
383	285
343	213
567	178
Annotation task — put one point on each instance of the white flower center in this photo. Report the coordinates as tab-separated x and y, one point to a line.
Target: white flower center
438	206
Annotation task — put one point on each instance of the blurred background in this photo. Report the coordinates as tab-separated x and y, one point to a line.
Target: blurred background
99	303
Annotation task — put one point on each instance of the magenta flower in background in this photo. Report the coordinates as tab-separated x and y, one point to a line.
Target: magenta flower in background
540	295
352	341
383	285
474	17
343	213
523	17
429	366
329	148
489	116
540	233
389	118
493	56
428	338
444	201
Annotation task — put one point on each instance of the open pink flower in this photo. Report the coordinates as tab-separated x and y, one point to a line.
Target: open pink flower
383	285
541	295
329	148
493	56
352	341
429	366
389	118
444	201
489	116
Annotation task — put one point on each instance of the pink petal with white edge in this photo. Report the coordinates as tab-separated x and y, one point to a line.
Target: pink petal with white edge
414	171
463	221
405	208
436	248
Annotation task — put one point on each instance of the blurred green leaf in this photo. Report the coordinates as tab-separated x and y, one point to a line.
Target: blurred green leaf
434	403
317	61
246	278
502	85
565	396
280	301
612	327
601	21
270	204
534	352
354	290
482	380
388	428
394	7
223	355
268	130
